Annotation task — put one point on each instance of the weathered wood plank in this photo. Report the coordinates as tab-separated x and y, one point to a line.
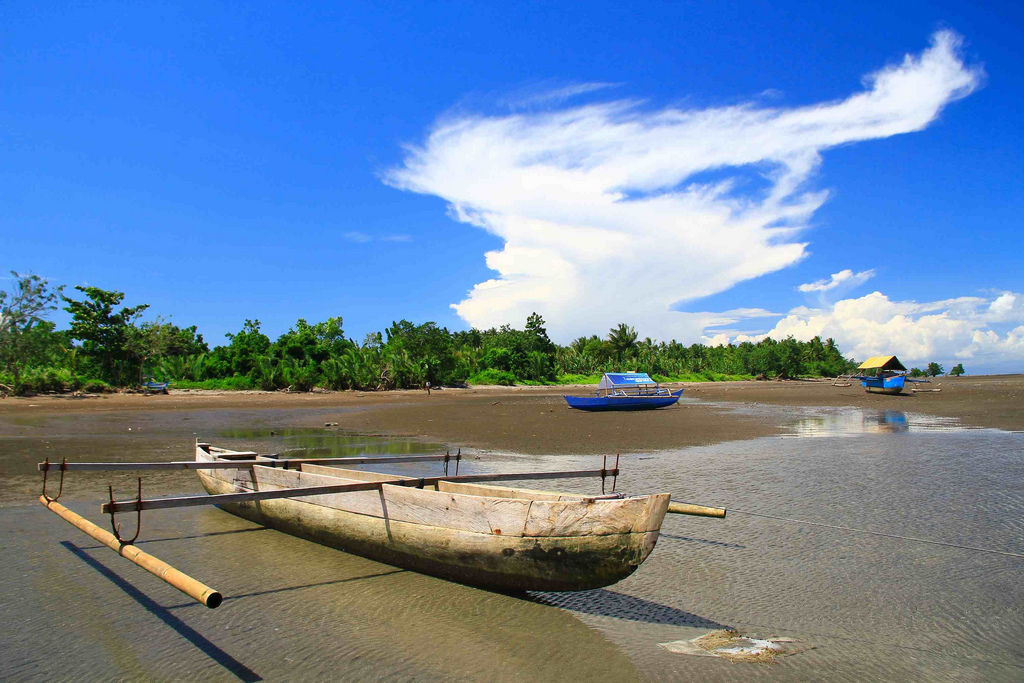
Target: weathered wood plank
653	514
506	562
483	515
354	475
497	491
192	501
415	506
366	502
574	518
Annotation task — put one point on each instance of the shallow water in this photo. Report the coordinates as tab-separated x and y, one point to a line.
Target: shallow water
874	607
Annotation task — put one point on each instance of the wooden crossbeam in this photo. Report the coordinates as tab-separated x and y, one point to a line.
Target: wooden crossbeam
225	498
233	464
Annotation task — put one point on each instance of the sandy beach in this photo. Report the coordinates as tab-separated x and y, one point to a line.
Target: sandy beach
536	420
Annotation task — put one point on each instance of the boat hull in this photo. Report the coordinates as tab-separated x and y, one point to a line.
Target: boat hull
595	403
888	385
510	544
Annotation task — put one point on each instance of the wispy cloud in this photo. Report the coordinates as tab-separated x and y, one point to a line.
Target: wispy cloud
601	221
845	278
547	94
363	238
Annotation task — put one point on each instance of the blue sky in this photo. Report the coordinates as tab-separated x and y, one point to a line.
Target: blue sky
616	162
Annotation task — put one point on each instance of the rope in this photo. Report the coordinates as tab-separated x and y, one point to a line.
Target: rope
878	533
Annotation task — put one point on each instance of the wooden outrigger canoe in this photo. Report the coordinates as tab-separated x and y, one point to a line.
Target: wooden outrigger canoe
490	536
452	527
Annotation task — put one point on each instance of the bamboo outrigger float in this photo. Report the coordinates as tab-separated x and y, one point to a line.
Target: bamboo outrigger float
447	526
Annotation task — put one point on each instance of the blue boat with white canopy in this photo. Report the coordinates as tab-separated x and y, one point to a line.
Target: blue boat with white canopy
626	391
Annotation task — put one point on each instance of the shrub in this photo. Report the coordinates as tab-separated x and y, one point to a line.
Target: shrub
233	383
47	379
578	379
95	386
493	376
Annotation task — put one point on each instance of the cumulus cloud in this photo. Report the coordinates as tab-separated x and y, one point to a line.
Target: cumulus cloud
846	278
605	219
965	328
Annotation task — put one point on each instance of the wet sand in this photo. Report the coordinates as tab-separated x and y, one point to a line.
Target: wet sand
536	420
875	608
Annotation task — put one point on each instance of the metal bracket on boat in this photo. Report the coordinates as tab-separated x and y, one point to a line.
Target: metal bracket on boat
605	472
448	457
138	520
46	469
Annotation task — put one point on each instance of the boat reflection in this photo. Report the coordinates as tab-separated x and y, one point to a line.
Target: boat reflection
855	422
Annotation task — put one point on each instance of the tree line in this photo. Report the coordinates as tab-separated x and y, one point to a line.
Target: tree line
106	345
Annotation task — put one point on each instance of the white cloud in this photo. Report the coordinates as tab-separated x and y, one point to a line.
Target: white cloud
846	278
599	222
965	328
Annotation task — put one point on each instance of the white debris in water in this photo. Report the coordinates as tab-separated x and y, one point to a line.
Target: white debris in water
731	645
749	646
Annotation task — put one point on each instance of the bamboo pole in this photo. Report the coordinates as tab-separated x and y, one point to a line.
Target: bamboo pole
224	498
158	568
696	510
233	464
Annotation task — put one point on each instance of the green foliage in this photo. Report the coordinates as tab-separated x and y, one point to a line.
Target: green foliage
957	370
233	383
493	376
405	355
24	334
916	372
622	340
934	370
577	379
248	345
105	335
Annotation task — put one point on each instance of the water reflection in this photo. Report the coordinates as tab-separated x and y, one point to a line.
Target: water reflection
320	443
855	421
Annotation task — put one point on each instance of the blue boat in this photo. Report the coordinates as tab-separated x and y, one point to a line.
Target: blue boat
626	391
890	376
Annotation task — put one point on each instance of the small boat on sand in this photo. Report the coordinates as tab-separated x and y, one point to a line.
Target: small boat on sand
889	376
450	526
626	391
493	536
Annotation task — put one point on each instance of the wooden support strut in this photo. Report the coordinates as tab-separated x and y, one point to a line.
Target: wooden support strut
186	584
284	463
224	498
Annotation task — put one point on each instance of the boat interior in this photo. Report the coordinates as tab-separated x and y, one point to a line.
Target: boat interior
351	476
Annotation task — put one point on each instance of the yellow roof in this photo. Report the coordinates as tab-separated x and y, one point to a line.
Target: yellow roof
883	362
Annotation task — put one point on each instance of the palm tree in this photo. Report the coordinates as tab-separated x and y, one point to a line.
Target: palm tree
622	339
